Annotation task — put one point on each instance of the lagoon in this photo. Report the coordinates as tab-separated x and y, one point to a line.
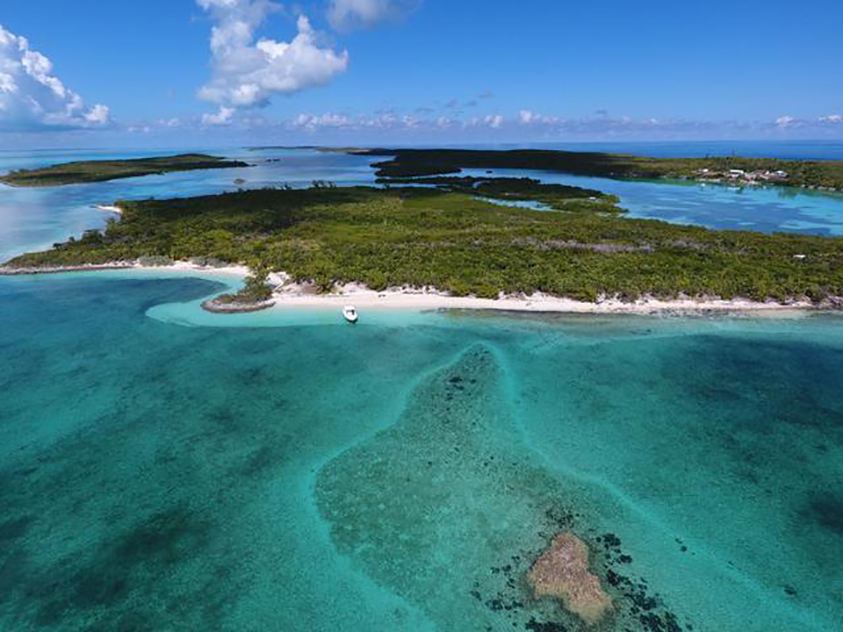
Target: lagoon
165	473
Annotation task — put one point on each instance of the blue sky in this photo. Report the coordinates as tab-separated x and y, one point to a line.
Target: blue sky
217	72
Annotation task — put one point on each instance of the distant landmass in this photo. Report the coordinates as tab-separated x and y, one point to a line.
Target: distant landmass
811	174
103	170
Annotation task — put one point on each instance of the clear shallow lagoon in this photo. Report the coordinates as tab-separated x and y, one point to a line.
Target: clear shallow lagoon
764	209
162	468
403	475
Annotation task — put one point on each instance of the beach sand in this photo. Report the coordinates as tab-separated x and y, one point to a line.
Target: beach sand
109	208
291	295
405	298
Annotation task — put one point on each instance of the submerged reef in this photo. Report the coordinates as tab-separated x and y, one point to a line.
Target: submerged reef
448	509
562	572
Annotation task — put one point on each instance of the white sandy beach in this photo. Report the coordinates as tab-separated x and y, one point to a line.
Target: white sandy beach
403	298
109	208
292	295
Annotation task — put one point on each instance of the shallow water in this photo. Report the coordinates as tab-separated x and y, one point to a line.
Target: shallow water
163	468
403	474
764	209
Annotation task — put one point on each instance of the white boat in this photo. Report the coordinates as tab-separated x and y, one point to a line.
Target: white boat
350	313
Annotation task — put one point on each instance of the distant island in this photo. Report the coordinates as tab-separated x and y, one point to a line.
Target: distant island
459	237
103	170
811	174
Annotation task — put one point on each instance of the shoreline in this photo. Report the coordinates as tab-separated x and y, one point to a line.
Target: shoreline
294	295
109	208
397	299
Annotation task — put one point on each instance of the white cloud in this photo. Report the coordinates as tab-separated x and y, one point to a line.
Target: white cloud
785	121
222	117
528	125
32	98
248	73
528	117
313	122
495	121
345	15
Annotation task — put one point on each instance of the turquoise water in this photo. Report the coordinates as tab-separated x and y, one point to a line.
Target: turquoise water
163	468
159	472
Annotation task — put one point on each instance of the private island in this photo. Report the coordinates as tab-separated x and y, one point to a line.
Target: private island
458	236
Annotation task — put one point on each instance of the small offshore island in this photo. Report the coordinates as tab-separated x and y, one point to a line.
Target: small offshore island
461	236
103	170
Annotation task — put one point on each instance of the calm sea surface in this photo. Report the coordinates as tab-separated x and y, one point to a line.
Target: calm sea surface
162	468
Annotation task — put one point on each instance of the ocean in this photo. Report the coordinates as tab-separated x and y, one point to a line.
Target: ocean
162	468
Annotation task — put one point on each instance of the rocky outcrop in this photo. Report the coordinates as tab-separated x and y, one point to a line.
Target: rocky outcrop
561	571
235	307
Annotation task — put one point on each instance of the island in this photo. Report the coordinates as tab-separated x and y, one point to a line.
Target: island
102	170
461	237
254	296
811	174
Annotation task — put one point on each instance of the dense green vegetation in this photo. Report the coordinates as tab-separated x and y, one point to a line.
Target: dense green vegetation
426	162
558	196
451	240
102	170
255	289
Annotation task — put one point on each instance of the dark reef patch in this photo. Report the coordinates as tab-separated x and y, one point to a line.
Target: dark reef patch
14	529
134	561
827	511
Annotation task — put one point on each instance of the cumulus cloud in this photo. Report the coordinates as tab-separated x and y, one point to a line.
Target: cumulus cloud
247	73
528	117
316	121
832	118
32	98
494	120
785	121
222	117
383	121
345	15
